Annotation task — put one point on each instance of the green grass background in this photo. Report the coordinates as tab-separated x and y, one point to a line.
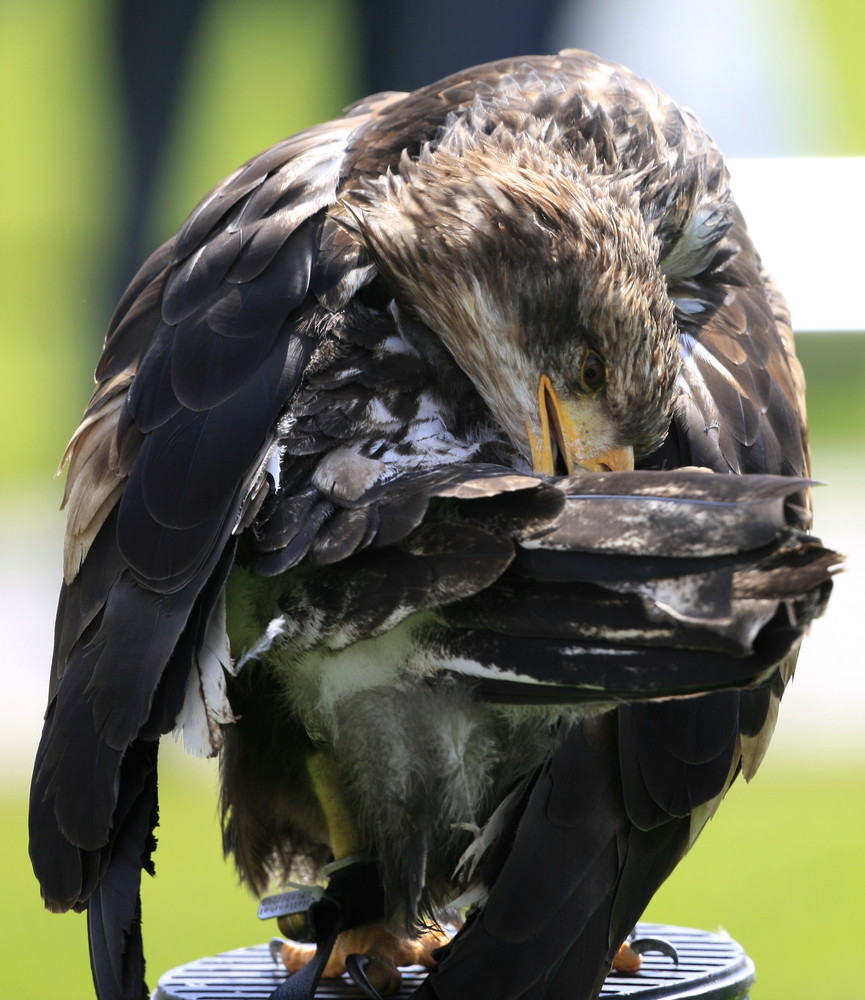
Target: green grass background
780	868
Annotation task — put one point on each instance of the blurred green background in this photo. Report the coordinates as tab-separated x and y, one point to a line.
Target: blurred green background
780	868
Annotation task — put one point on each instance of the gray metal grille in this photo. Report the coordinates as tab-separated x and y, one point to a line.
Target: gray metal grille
711	967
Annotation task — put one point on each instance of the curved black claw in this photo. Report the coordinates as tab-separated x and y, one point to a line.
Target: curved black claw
275	947
644	945
356	966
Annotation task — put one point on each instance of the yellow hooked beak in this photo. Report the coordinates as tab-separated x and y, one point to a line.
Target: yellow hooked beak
568	430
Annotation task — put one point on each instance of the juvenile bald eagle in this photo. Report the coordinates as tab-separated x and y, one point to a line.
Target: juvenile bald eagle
377	497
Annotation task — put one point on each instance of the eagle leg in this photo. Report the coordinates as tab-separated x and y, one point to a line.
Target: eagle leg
342	833
385	950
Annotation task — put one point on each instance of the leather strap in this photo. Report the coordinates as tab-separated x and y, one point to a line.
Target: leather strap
354	896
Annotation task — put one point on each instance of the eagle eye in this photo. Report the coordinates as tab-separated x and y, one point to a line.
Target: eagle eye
593	372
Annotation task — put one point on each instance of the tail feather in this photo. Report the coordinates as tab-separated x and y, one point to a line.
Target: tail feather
114	909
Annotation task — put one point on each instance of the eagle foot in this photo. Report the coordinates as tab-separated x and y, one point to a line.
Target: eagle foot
629	957
383	953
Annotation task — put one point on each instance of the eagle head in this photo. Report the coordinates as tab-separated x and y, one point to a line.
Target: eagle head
541	277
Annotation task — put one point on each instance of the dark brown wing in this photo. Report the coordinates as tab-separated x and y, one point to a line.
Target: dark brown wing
206	345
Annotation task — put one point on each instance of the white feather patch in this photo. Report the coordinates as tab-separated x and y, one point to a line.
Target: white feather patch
484	837
693	250
205	706
274	630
